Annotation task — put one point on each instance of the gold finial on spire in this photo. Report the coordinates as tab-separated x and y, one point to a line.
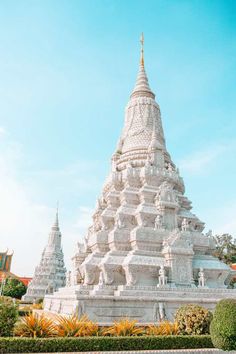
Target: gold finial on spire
142	49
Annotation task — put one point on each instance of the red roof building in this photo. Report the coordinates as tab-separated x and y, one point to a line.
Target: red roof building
25	280
233	266
5	269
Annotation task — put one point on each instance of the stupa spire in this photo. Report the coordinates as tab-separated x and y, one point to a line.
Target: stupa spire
142	87
142	50
56	222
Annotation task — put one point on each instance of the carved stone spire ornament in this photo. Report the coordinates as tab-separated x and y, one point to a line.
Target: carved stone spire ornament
142	224
50	274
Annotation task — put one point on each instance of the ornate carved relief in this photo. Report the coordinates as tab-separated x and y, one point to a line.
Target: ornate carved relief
89	276
108	275
131	276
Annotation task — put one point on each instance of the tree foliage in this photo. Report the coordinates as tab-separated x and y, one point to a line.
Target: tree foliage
8	316
14	288
225	248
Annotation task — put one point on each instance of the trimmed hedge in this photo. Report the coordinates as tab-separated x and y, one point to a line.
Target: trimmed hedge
86	344
223	326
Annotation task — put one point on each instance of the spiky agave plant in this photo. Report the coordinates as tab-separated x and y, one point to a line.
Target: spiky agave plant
164	328
35	325
124	327
90	329
73	326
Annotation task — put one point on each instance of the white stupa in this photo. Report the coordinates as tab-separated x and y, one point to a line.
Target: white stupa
50	274
145	253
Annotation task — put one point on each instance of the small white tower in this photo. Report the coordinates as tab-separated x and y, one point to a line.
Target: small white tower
50	274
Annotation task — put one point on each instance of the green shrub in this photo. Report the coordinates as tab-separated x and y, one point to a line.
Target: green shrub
8	316
86	344
223	325
14	288
193	319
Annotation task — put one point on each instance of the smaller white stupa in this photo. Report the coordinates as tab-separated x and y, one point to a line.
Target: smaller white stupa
50	274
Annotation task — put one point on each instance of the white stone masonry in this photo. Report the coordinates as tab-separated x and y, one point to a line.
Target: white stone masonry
145	247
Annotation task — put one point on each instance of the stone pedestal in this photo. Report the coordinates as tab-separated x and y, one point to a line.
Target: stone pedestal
145	304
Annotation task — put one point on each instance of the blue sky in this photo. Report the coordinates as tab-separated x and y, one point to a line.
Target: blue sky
67	69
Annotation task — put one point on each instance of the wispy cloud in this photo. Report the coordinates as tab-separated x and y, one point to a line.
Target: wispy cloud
23	223
2	131
201	161
26	210
80	176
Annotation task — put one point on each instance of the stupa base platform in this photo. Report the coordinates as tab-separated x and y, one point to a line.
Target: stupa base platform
146	304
